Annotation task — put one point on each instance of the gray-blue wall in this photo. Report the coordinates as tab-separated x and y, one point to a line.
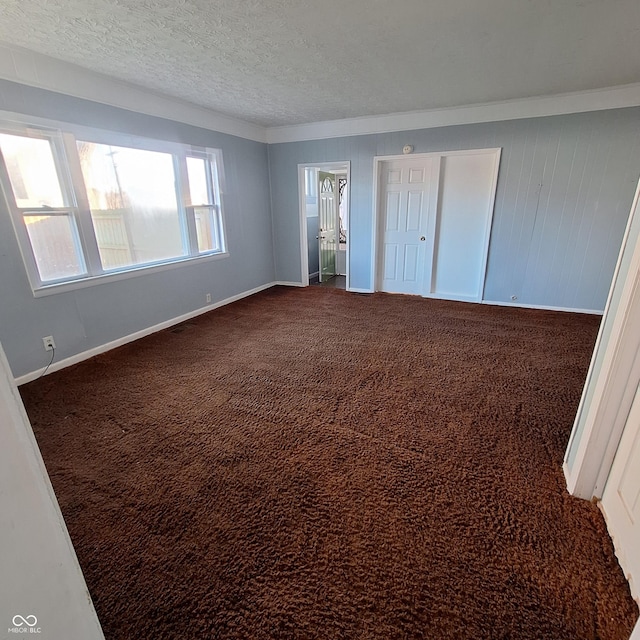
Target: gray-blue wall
565	188
564	191
86	318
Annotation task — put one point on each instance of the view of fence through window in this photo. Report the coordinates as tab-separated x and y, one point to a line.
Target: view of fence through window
55	246
203	205
127	204
133	204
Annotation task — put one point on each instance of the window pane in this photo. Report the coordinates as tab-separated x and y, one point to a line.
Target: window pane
133	204
198	183
55	247
310	182
32	171
207	229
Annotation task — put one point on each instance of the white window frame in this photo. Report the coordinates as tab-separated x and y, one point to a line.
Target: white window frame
63	140
213	168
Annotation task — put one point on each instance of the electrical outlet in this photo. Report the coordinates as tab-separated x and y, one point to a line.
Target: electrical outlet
49	343
208	297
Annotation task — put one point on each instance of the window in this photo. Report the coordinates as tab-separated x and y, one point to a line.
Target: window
311	184
91	206
133	203
202	189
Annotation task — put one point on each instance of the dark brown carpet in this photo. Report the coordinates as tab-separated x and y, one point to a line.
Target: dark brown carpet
319	464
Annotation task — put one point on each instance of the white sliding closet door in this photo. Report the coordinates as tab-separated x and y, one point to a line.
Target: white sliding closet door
466	197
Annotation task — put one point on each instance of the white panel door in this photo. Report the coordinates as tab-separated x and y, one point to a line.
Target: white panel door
406	247
328	214
621	499
467	192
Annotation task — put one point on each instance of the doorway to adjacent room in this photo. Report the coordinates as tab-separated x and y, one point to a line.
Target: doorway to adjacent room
324	217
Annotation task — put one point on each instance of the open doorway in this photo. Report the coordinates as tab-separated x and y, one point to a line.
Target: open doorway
324	223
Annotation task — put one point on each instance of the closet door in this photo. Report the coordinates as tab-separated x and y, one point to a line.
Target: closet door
466	197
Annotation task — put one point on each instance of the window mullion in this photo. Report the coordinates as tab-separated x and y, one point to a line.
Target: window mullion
216	174
184	198
83	212
47	211
218	185
17	220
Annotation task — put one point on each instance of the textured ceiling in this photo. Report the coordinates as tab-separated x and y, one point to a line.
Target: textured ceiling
278	62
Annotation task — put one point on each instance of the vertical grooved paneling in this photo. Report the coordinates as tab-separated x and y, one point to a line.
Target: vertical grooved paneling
549	152
587	206
564	190
563	183
573	211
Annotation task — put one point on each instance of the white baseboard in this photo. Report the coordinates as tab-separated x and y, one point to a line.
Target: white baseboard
542	307
595	312
452	298
90	353
356	290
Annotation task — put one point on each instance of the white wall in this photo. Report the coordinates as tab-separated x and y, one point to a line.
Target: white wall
41	576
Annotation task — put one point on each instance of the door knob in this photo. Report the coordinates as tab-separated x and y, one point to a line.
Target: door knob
422	238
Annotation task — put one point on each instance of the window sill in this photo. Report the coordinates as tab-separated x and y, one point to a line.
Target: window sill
92	281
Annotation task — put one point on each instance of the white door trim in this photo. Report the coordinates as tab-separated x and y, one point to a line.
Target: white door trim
375	231
302	213
613	386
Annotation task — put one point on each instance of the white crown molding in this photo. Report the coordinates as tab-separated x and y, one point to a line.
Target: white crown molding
578	102
37	70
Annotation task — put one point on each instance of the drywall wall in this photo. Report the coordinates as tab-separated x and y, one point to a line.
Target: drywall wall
86	318
564	191
42	589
